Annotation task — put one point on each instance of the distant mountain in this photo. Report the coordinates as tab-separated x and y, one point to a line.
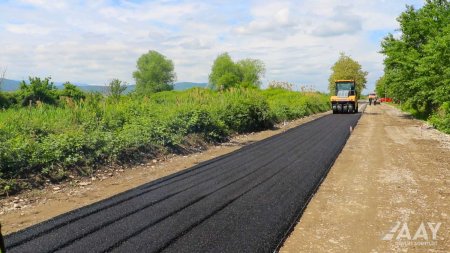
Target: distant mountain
12	85
188	85
9	85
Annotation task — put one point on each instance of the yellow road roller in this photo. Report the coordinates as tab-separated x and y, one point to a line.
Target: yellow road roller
346	97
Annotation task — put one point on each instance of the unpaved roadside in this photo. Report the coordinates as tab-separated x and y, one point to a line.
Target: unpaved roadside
392	169
26	209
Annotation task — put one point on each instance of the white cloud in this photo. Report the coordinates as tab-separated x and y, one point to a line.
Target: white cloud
27	29
94	41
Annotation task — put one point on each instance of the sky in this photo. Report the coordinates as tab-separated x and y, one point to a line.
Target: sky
92	42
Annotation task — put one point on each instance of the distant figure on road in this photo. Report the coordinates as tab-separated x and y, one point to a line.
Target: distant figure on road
372	97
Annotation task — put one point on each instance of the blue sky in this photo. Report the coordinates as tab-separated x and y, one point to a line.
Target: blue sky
95	41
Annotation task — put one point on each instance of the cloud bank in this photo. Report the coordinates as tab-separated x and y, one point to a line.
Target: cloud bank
95	41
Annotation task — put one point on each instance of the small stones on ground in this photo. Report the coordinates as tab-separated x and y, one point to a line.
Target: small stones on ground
153	166
84	183
154	161
93	178
56	188
17	206
110	174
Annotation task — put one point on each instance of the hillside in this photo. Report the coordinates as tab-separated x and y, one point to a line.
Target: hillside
9	85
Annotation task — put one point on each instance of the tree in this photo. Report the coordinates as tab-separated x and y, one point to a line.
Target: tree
38	90
225	73
154	73
380	87
116	88
72	91
417	65
251	71
3	100
347	69
2	77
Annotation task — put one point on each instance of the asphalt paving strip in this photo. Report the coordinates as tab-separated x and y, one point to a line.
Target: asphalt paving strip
246	201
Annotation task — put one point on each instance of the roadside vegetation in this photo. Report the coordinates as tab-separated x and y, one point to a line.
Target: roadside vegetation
417	63
346	68
50	134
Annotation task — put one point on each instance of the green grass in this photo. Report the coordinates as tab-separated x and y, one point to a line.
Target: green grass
48	142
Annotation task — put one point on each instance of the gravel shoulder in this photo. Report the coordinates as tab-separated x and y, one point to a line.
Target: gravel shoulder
393	170
29	208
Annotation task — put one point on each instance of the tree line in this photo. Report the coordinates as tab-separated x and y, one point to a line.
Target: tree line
155	73
417	63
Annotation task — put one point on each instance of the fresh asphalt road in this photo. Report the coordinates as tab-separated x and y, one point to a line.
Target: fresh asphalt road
245	201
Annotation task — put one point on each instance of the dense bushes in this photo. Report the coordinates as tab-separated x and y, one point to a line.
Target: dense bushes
285	105
42	91
47	140
441	119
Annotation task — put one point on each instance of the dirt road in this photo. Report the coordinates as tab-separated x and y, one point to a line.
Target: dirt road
244	201
393	171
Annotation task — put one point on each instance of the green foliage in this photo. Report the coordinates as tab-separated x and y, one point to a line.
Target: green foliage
116	88
154	73
287	105
441	119
226	74
38	90
380	87
72	91
417	65
49	141
347	69
251	70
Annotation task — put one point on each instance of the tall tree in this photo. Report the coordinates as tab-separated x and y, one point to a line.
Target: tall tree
154	73
345	69
252	70
225	73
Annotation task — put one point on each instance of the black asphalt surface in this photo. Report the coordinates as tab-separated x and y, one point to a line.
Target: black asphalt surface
245	201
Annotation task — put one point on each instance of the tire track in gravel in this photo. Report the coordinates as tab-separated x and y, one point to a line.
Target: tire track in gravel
242	201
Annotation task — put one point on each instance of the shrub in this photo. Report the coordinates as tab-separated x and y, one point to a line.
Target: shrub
50	140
